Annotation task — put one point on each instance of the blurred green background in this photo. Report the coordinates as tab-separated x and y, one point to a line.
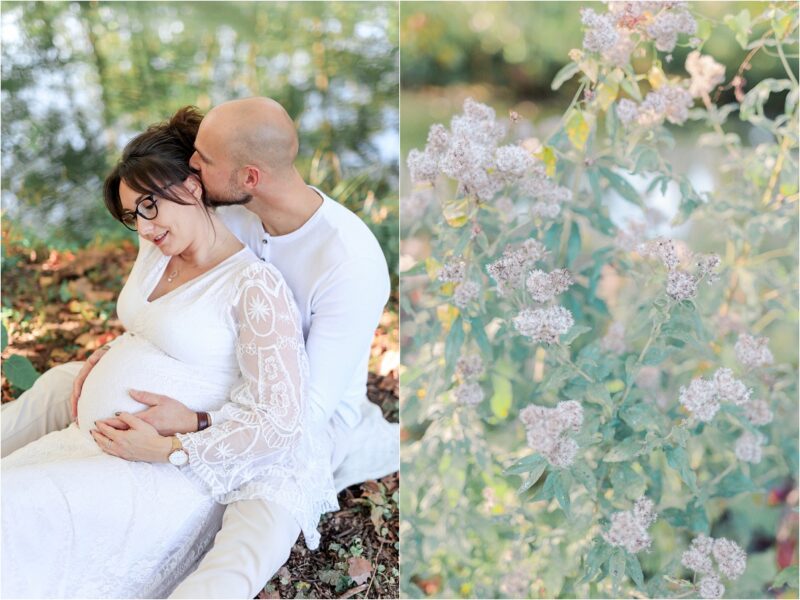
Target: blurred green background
79	79
507	53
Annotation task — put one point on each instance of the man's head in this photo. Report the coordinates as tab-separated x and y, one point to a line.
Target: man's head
241	147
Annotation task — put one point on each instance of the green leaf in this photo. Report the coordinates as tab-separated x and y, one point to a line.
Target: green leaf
733	484
564	74
624	451
789	576
574	333
526	464
3	338
63	292
634	569
20	372
452	347
740	25
578	129
532	477
679	460
574	244
616	570
621	186
597	557
557	486
479	333
656	355
581	471
641	416
501	399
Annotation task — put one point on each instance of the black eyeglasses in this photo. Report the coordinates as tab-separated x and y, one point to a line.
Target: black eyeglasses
145	208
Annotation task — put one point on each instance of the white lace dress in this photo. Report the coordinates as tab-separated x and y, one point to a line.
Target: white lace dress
77	522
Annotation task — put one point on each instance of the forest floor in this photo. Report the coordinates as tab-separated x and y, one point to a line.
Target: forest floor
59	306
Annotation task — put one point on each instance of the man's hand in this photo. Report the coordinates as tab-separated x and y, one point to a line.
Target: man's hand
167	415
140	442
77	385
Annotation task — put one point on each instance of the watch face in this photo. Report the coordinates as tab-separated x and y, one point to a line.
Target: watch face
178	458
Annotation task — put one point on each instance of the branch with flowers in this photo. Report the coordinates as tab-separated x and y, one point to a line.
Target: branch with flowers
584	400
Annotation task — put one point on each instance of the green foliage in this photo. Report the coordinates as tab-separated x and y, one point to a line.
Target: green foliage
82	78
20	372
483	500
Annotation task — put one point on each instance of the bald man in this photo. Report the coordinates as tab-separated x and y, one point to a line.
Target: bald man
245	155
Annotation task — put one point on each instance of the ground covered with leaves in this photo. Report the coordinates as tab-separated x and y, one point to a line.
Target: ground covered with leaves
59	306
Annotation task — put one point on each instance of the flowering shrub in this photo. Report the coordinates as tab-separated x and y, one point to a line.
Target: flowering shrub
584	402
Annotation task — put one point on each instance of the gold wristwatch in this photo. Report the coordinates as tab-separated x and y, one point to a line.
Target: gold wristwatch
178	455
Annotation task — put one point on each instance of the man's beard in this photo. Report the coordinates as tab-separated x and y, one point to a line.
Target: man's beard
215	201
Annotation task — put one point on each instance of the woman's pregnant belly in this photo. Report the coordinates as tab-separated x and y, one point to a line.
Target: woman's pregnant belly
133	363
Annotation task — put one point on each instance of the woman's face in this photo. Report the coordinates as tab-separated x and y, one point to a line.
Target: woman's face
177	227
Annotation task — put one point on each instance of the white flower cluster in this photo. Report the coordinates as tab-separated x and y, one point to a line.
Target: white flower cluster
703	397
610	34
517	583
681	285
547	430
669	102
614	339
469	368
748	446
752	352
629	527
543	287
730	558
469	393
466	292
508	270
544	324
549	196
470	154
706	73
453	271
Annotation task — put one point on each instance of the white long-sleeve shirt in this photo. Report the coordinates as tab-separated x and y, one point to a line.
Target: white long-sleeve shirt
338	274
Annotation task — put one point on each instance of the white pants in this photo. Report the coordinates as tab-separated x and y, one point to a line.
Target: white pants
256	536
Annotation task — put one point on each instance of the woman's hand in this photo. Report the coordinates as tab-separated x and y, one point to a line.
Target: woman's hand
139	442
167	415
77	385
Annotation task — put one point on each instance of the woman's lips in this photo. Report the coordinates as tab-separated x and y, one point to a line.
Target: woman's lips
160	238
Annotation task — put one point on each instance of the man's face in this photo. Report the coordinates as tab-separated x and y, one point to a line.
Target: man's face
220	185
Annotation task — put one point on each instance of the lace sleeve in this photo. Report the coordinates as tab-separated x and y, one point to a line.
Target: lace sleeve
262	424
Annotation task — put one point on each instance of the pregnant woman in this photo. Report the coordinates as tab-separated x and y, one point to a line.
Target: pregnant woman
209	324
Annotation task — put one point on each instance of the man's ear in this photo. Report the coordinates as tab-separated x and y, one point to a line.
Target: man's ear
193	186
252	176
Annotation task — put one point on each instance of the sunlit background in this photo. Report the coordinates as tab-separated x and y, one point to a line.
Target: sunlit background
79	79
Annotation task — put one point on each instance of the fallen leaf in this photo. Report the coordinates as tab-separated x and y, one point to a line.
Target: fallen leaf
360	569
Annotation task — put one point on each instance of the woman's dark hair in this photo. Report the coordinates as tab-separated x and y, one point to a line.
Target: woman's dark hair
155	159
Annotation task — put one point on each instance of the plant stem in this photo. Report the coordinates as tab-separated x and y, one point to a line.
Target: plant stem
784	62
565	360
656	329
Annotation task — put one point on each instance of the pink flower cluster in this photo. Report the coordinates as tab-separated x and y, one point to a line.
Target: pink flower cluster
470	153
544	324
706	73
543	287
629	527
611	34
508	270
681	285
752	352
469	368
547	430
730	558
703	397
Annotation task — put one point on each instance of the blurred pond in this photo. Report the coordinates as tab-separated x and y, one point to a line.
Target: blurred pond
79	79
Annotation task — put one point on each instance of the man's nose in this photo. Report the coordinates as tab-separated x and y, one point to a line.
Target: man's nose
194	161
